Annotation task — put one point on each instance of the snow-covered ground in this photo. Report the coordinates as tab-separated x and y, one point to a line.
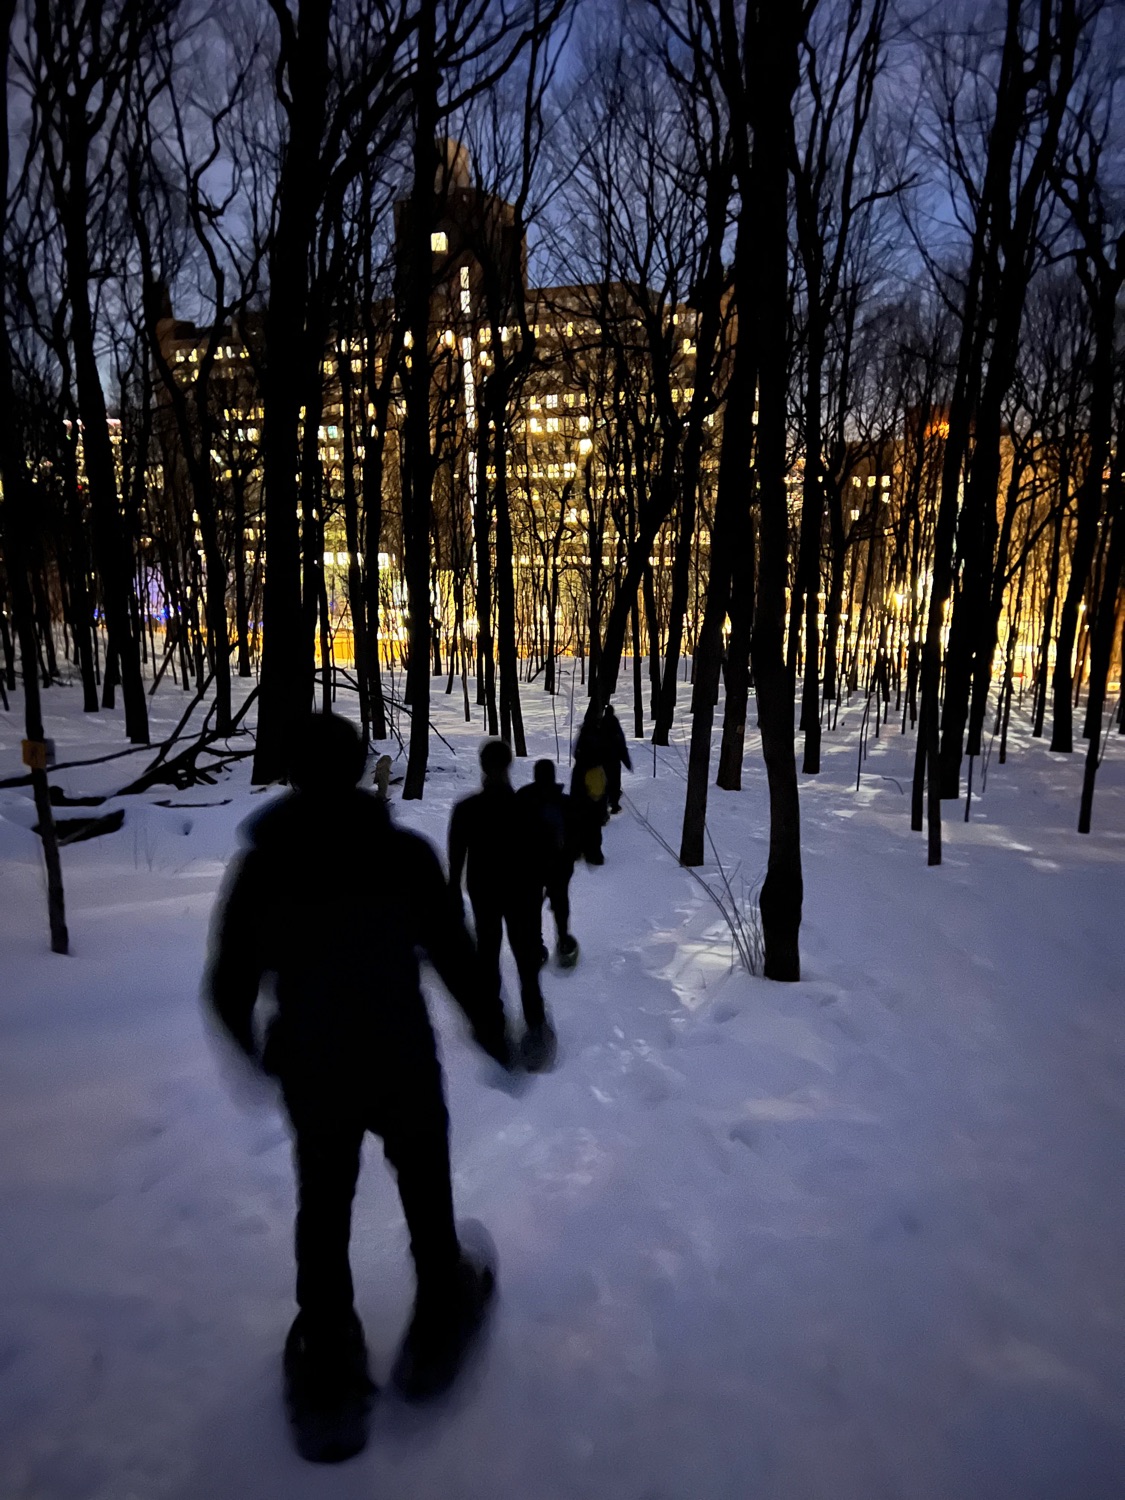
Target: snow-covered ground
854	1238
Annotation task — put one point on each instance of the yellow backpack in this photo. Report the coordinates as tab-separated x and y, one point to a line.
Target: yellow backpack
595	783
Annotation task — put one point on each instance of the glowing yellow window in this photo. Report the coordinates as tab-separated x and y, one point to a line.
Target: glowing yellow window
439	242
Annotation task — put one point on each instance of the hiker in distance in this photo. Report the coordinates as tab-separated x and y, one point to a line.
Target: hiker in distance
615	754
589	786
497	849
547	807
332	901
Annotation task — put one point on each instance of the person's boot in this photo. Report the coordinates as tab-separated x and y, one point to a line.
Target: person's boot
567	951
445	1324
538	1047
328	1388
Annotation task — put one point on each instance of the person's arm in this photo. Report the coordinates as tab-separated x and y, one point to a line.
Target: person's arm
236	963
458	845
450	950
624	749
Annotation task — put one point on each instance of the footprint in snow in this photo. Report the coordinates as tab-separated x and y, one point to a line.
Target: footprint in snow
652	1084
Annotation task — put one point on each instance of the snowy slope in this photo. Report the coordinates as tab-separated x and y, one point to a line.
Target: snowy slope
854	1238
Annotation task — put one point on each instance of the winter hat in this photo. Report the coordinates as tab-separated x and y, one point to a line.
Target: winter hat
495	758
326	754
544	773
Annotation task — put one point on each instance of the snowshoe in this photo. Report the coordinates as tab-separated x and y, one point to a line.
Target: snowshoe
567	952
328	1392
538	1047
445	1329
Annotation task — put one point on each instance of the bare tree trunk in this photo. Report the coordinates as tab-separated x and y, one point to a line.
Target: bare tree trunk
287	657
416	275
17	555
774	62
1103	632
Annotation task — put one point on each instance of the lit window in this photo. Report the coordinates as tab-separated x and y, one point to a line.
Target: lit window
552	423
886	481
552	400
534	403
689	347
583	424
439	242
552	471
585	445
569	399
448	337
535	425
330	558
357	366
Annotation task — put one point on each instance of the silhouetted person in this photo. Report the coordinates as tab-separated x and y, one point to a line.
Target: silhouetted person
615	753
548	808
589	786
333	901
495	845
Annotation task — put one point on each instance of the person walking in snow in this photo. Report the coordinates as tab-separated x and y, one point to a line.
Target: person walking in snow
547	807
589	785
497	849
615	754
333	901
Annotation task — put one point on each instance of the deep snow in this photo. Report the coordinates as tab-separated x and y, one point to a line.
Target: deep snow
855	1238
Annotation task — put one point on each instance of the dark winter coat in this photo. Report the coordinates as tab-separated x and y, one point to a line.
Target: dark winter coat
548	811
494	842
615	750
588	780
335	902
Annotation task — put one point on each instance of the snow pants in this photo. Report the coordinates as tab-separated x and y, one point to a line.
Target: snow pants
613	785
522	916
328	1135
557	887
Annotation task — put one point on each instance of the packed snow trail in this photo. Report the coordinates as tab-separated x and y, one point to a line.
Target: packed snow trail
852	1238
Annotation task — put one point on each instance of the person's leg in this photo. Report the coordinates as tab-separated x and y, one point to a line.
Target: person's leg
613	786
416	1144
598	816
558	894
326	1155
489	933
524	938
454	1285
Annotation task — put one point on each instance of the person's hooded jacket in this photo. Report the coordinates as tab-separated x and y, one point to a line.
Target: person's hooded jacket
334	902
